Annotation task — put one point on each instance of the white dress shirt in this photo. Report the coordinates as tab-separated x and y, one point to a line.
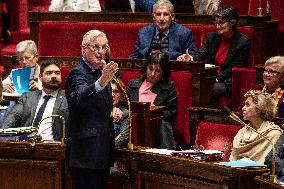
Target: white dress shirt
45	128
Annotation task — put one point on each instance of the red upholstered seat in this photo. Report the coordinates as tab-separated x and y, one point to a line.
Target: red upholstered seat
196	30
243	80
64	73
183	84
121	37
215	136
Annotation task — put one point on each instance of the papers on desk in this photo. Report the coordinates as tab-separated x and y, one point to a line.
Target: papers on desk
159	151
21	78
15	94
209	65
244	162
16	131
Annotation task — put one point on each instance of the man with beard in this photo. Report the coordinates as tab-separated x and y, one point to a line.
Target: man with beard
164	35
33	106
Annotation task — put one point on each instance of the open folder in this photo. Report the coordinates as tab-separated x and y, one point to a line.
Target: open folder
21	78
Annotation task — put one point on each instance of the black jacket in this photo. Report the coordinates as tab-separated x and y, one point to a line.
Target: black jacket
238	54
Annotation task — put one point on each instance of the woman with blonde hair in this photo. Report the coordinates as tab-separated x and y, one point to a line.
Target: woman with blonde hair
259	109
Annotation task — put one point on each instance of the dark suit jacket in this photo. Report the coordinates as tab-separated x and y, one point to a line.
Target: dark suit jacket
180	39
280	106
22	114
279	157
238	54
90	133
166	96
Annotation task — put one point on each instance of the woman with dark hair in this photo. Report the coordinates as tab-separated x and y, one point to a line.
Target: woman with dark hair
154	86
226	48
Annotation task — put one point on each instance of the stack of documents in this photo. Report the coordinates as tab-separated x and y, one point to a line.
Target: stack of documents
16	134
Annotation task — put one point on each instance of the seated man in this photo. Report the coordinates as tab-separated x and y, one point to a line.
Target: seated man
33	106
26	52
164	35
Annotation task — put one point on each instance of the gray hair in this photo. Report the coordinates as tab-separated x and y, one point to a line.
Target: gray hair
91	35
161	3
27	45
264	103
276	60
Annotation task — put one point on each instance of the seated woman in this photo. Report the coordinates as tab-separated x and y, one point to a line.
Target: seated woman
226	48
259	109
121	127
273	81
155	86
26	52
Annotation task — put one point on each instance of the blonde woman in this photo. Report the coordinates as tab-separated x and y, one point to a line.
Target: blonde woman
259	109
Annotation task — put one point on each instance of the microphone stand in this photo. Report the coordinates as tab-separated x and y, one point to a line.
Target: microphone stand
130	146
37	138
234	117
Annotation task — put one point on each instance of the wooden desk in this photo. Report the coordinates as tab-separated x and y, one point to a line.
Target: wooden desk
265	183
22	168
147	170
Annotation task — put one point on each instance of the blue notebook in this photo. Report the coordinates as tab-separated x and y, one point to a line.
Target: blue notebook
21	78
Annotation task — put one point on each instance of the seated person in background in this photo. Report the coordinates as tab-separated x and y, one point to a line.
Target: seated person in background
226	48
75	6
279	158
164	35
26	52
33	106
273	81
121	126
144	5
259	109
205	6
155	86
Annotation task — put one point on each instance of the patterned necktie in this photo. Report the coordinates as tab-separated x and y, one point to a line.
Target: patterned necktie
41	110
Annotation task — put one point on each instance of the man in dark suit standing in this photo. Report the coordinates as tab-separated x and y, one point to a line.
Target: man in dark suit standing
164	35
90	133
33	106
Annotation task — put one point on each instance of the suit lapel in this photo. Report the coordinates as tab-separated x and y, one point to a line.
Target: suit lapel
149	37
232	50
58	102
215	47
173	39
34	101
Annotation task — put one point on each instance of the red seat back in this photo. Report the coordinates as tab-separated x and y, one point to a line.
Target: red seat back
215	136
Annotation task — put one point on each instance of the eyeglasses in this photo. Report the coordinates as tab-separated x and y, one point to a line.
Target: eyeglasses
221	24
271	72
25	58
97	47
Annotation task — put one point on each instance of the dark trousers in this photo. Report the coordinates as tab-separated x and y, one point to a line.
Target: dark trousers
89	178
220	89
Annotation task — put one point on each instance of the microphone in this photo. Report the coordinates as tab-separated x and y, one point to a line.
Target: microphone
36	138
226	110
130	146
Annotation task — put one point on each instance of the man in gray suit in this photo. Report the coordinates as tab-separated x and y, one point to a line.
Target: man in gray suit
33	106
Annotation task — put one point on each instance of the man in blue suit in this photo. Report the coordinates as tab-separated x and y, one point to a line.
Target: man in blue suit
89	97
164	35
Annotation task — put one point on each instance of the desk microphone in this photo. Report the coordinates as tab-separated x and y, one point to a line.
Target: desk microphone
226	110
36	138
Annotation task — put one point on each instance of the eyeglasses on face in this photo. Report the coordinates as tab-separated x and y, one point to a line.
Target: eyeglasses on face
97	47
25	58
271	72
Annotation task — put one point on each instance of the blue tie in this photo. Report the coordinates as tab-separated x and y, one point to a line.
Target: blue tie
41	110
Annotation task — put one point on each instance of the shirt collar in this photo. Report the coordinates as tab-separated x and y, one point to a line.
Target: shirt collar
166	32
53	94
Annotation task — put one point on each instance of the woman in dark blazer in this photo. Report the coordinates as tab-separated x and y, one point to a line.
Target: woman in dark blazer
226	48
155	86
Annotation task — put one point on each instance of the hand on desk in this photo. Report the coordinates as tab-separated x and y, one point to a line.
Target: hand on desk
185	57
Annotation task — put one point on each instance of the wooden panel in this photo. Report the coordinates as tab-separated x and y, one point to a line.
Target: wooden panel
32	174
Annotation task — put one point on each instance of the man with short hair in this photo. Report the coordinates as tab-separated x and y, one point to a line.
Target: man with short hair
164	35
34	106
89	96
